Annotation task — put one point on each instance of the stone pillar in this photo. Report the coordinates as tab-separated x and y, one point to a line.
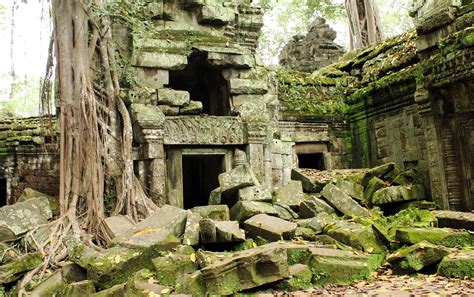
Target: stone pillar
258	143
154	156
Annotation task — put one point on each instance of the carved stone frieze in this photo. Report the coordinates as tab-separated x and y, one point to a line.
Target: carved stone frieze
206	130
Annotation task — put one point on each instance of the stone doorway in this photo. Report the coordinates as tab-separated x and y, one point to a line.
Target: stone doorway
204	83
192	173
311	155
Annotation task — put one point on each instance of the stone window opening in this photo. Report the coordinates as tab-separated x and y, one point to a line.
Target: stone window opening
204	83
313	161
200	177
3	192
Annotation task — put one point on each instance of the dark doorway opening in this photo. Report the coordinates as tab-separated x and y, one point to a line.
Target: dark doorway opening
313	161
200	177
3	192
204	83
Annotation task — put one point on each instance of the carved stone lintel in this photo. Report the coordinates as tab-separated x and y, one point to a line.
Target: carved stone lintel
257	132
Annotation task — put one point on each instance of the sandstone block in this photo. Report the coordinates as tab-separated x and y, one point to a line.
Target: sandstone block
269	228
343	202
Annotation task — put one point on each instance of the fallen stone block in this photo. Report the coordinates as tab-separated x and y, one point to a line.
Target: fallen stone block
220	231
438	236
80	289
285	212
213	212
51	286
418	256
29	193
291	194
458	264
312	206
317	223
255	193
373	186
14	270
454	219
19	218
215	197
305	233
246	270
352	189
191	283
206	258
269	228
115	291
343	202
237	178
160	230
170	267
117	225
356	235
398	194
243	210
379	171
191	230
300	279
309	184
407	178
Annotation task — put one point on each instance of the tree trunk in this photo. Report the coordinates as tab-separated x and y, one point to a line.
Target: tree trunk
365	27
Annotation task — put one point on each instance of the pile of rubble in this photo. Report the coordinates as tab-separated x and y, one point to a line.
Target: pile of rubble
322	228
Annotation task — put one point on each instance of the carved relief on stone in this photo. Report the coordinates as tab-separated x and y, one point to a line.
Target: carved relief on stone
203	130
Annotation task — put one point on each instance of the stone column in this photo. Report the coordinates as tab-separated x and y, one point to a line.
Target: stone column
258	144
154	158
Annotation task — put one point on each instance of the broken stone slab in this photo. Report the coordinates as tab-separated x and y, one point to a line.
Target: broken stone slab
213	212
191	230
373	186
51	286
459	264
333	266
312	206
170	267
309	184
247	86
19	218
191	108
117	225
454	219
343	202
243	210
269	228
159	60
191	283
13	270
352	189
300	279
246	270
220	231
29	193
407	178
206	258
318	222
160	230
80	289
111	266
215	197
305	233
379	171
172	97
398	194
114	291
291	194
255	193
418	256
356	235
237	178
439	236
285	212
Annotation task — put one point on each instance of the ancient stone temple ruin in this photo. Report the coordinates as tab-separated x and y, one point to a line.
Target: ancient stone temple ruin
314	51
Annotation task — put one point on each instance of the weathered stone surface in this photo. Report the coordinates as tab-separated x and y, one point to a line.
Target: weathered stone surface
216	14
237	178
343	202
311	206
51	286
317	223
191	283
243	210
168	110
291	194
269	228
352	189
80	289
191	108
151	77
373	186
220	231
160	230
215	197
245	270
160	60
247	86
172	97
285	212
29	193
309	184
231	60
379	171
407	178
438	236
255	193
356	235
418	256
300	279
170	267
14	270
214	212
398	194
206	258
117	225
21	217
458	264
114	291
454	219
191	230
